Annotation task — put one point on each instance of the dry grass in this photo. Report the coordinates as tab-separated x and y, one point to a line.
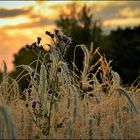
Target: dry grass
66	110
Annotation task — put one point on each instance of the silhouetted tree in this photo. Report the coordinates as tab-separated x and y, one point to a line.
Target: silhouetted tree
124	45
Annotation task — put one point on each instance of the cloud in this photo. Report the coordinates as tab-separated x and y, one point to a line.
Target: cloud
6	13
34	24
130	12
122	22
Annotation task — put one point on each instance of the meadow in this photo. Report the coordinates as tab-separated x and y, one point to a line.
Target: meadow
61	104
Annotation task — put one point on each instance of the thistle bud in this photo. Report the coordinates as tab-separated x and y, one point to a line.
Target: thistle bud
34	104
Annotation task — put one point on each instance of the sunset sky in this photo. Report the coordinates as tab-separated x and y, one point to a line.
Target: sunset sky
22	21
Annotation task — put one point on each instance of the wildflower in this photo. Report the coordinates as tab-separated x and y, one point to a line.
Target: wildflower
66	40
49	34
34	44
34	104
38	40
41	47
52	35
59	37
56	32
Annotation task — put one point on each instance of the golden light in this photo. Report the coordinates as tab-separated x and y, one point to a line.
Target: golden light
14	21
128	12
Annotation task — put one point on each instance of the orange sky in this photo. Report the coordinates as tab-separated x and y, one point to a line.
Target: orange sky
22	21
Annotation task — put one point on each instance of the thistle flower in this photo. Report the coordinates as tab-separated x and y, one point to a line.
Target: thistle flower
59	37
57	33
38	40
34	104
59	125
52	35
41	47
49	34
66	40
34	44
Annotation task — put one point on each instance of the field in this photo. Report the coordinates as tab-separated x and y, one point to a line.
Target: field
59	104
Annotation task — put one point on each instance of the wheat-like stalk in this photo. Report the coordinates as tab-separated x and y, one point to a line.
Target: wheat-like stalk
9	123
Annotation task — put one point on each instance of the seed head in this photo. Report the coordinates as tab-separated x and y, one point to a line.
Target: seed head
52	35
38	40
41	47
59	125
49	34
34	44
56	32
66	40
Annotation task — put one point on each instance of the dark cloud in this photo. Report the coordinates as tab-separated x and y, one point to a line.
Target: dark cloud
6	13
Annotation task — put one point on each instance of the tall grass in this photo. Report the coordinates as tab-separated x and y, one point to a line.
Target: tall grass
59	104
5	119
